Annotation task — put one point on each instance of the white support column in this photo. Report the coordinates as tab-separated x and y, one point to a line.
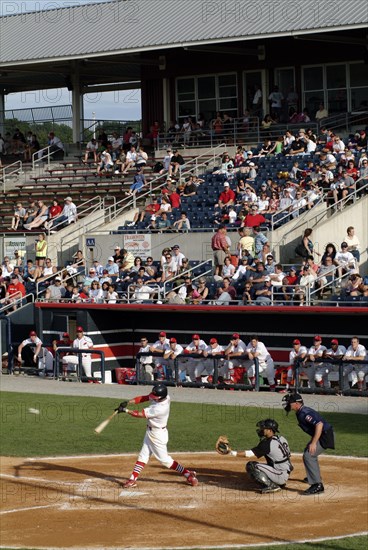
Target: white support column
2	114
166	100
77	104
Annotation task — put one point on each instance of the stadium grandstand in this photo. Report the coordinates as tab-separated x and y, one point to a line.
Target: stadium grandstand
241	191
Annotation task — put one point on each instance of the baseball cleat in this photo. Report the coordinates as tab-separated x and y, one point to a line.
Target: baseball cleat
130	484
314	489
192	480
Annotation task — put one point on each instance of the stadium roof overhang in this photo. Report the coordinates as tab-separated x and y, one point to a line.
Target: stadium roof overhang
109	45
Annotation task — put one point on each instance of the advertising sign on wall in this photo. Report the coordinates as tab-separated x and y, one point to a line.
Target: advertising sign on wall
138	245
14	243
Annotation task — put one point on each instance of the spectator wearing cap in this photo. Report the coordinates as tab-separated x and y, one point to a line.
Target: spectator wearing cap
311	364
112	268
105	278
361	144
335	353
90	277
227	197
15	291
195	365
288	284
234	367
68	215
214	349
264	294
171	352
55	291
65	341
158	349
29	350
83	342
298	352
118	256
98	267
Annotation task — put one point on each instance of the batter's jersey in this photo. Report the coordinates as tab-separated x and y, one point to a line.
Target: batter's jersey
293	354
260	348
157	413
308	419
359	352
276	451
83	343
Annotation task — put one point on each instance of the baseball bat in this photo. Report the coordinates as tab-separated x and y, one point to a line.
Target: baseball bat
103	424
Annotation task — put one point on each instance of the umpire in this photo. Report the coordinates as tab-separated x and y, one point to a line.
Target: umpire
322	435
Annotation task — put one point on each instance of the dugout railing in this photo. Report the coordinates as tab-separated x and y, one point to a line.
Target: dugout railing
79	368
170	372
338	367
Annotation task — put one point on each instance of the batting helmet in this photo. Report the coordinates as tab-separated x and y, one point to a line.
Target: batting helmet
290	398
159	391
267	424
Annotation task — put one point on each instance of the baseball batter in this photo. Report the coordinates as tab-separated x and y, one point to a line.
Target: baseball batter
276	450
156	438
322	437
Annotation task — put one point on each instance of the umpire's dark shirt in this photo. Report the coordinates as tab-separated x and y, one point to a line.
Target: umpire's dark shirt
308	419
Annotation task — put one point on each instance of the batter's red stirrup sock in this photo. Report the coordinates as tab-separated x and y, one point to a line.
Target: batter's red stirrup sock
179	468
137	469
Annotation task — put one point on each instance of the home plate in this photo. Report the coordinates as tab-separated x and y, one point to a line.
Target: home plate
131	494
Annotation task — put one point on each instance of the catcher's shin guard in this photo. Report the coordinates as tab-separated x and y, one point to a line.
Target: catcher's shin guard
258	475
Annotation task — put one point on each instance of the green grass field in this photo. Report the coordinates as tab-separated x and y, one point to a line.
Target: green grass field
65	427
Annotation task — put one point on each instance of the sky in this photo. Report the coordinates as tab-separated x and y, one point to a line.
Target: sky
123	105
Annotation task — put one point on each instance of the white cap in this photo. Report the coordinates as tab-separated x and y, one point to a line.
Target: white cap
226	184
57	279
110	259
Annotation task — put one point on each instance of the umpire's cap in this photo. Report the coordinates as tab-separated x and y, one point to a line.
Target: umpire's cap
159	392
290	398
267	424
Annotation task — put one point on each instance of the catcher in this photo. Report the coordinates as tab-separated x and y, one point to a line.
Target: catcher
275	473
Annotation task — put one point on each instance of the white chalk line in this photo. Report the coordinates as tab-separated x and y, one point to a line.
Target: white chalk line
199	453
14	510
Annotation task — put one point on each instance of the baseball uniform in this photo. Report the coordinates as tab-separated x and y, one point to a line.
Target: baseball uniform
233	367
360	370
293	355
323	371
195	366
265	361
146	362
310	367
85	343
168	361
277	453
159	370
209	362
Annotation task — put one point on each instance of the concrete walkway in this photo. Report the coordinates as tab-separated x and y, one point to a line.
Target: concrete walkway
323	403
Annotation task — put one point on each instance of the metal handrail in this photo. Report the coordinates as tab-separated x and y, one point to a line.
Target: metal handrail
89	210
131	290
17	301
290	213
340	120
328	284
185	274
19	163
35	160
321	215
52	276
115	210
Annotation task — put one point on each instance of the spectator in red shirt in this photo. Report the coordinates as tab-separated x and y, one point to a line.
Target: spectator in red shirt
15	290
150	210
220	247
253	219
174	199
227	197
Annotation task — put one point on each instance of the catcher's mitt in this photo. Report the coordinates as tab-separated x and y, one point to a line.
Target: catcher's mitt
122	407
222	445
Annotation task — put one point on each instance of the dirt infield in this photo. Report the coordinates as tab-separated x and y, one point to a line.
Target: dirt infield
78	502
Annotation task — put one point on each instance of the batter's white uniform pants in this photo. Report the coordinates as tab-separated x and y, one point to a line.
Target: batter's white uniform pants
265	367
155	443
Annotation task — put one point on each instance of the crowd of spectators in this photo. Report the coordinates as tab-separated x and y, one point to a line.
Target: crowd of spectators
36	214
245	273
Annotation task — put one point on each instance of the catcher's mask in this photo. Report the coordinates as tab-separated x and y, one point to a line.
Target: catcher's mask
159	392
267	424
290	398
